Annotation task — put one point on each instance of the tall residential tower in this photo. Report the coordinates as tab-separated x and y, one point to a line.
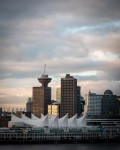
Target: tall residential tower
68	96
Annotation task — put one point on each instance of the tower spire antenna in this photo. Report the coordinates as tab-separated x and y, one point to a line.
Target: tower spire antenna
44	68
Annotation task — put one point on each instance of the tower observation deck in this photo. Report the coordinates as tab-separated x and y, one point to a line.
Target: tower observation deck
44	80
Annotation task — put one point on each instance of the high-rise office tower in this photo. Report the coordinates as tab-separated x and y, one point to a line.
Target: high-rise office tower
41	96
68	96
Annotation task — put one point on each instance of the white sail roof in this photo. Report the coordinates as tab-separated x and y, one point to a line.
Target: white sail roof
27	121
44	121
33	117
63	122
15	118
72	122
42	115
81	121
25	117
53	121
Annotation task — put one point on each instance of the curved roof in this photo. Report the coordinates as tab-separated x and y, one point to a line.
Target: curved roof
108	92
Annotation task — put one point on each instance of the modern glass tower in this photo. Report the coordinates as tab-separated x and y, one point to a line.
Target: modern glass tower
41	96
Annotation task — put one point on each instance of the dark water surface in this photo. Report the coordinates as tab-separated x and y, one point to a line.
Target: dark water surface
62	147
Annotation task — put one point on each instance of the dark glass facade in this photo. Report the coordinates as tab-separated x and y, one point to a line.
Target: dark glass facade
79	107
110	105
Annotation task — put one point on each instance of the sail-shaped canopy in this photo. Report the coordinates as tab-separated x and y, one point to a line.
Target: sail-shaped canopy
15	118
42	115
63	122
72	122
44	121
25	117
81	121
53	121
33	117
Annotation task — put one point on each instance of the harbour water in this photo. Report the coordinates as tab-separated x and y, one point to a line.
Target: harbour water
107	146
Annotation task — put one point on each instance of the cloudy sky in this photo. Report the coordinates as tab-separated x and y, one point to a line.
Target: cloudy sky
80	37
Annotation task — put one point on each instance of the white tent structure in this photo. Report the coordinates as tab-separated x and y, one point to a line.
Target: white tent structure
45	121
42	115
72	122
15	118
23	117
15	121
27	121
53	121
63	122
33	117
81	122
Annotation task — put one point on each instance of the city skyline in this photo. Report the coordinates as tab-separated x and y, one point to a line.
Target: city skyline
77	37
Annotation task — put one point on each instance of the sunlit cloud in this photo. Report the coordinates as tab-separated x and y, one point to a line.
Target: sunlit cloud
69	36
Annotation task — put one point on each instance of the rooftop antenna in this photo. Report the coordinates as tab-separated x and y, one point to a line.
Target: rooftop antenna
44	68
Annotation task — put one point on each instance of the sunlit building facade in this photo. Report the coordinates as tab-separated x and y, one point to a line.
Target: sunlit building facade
54	109
41	96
